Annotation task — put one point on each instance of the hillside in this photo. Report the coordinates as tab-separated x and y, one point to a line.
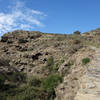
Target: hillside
41	66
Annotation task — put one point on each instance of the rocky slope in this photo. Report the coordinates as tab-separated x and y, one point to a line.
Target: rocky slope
72	81
75	58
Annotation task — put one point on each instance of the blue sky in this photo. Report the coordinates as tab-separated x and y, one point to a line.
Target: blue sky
52	16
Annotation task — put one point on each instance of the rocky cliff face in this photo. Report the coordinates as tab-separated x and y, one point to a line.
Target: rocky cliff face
74	57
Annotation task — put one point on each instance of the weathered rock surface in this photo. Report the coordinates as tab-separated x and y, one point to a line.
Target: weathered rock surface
90	81
83	81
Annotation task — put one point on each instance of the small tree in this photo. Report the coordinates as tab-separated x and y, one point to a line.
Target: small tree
77	32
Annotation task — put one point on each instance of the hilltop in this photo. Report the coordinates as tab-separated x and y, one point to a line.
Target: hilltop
40	66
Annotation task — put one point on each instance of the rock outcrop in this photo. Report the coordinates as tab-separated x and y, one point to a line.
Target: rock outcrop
90	81
83	81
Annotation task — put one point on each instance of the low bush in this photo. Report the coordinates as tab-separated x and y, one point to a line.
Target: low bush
85	61
56	67
67	68
34	81
32	89
2	79
50	63
16	77
77	32
51	82
62	61
37	89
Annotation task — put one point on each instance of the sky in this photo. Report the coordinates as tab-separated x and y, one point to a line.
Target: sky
50	16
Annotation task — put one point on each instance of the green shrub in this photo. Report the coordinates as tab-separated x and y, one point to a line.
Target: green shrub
51	82
34	81
17	76
62	61
34	89
67	68
2	79
50	63
29	93
70	63
56	67
77	32
85	61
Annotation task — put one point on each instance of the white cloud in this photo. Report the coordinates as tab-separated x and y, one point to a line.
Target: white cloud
26	26
20	17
